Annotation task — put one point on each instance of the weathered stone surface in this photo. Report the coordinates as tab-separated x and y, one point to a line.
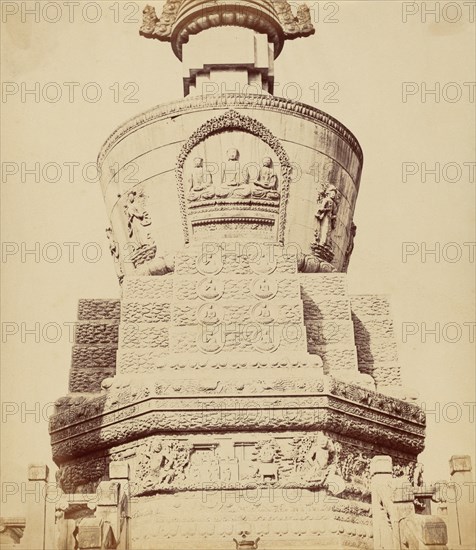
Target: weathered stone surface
315	287
377	352
370	305
373	330
254	125
329	332
146	360
329	308
95	309
145	311
337	357
98	356
96	332
245	288
184	315
88	380
235	371
385	373
149	335
147	288
341	407
375	341
238	261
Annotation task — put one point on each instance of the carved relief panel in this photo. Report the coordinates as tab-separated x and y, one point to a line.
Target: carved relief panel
233	177
312	460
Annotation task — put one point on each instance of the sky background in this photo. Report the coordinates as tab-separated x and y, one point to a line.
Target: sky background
367	51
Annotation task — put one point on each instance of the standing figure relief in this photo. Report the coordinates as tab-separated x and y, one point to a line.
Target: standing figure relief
138	221
326	215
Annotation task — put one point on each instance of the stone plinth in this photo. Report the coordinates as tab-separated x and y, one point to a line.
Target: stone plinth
237	376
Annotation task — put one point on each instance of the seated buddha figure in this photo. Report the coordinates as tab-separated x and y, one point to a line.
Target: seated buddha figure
200	182
231	184
266	184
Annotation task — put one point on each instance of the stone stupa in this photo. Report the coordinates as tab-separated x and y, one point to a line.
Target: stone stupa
244	388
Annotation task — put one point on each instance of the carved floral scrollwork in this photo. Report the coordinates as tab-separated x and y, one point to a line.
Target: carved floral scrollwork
215	14
160	27
294	26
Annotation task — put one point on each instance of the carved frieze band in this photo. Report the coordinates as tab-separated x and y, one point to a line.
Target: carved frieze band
141	414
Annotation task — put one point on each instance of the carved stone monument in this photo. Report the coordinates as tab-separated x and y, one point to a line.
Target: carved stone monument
244	388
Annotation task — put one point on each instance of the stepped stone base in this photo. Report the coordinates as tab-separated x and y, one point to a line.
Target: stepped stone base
238	393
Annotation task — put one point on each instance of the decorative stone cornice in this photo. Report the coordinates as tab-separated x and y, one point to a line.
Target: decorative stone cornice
141	411
181	18
226	101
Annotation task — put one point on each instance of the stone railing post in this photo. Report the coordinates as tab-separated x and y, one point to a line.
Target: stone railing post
119	472
461	503
381	490
39	512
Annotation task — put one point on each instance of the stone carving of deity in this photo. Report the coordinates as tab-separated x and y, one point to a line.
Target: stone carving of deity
326	215
350	246
313	457
113	246
114	249
138	221
266	184
317	460
163	463
231	184
261	314
231	168
200	181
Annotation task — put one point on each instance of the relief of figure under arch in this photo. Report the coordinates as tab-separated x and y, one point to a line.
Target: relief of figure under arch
138	222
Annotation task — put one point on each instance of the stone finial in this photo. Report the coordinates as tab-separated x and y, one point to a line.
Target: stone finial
460	463
38	472
181	18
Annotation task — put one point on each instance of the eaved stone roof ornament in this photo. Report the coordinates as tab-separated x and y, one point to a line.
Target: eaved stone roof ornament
181	18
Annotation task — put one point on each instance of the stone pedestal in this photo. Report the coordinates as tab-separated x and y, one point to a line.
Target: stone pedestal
238	397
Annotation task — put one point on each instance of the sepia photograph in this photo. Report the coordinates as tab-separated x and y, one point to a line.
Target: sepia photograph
238	275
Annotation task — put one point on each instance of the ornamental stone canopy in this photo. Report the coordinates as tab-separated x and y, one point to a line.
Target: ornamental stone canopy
182	18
